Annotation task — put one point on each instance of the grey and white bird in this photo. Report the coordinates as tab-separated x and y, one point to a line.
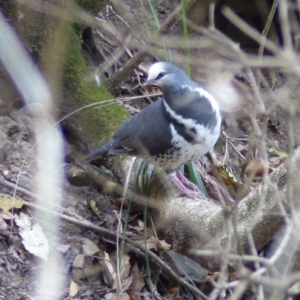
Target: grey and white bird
181	126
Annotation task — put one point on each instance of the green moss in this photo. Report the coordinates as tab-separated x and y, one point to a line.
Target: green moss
96	124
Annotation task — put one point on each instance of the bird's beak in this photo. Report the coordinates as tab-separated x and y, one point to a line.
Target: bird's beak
152	87
148	83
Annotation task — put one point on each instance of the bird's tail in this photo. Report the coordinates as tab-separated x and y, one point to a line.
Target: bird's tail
99	152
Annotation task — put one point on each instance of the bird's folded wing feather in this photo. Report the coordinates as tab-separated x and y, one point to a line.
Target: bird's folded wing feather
148	132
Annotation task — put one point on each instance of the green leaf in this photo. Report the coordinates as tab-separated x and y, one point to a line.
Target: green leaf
148	172
279	153
143	174
137	173
195	176
181	169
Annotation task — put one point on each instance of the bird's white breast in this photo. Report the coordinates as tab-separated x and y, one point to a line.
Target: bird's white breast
206	141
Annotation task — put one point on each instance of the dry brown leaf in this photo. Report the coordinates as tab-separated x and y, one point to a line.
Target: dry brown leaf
138	279
174	290
109	266
233	276
223	175
125	266
108	269
212	277
89	247
108	187
77	176
73	288
33	237
226	178
164	245
257	168
126	284
140	227
94	208
124	269
78	262
152	243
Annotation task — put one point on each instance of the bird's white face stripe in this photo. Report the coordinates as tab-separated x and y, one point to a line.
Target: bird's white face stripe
155	70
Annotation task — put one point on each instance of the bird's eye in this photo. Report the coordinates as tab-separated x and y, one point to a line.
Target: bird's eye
160	75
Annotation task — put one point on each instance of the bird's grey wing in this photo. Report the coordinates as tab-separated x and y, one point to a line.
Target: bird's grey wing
148	132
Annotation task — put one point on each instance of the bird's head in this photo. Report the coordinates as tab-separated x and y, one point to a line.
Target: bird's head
165	76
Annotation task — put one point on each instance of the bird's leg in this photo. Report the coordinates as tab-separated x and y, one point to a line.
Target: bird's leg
186	182
185	186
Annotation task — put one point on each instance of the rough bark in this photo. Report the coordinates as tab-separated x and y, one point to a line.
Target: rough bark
192	225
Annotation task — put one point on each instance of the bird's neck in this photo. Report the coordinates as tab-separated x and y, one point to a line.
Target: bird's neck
191	103
194	98
177	97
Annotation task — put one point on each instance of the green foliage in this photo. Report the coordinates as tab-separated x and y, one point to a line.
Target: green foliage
142	174
195	176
